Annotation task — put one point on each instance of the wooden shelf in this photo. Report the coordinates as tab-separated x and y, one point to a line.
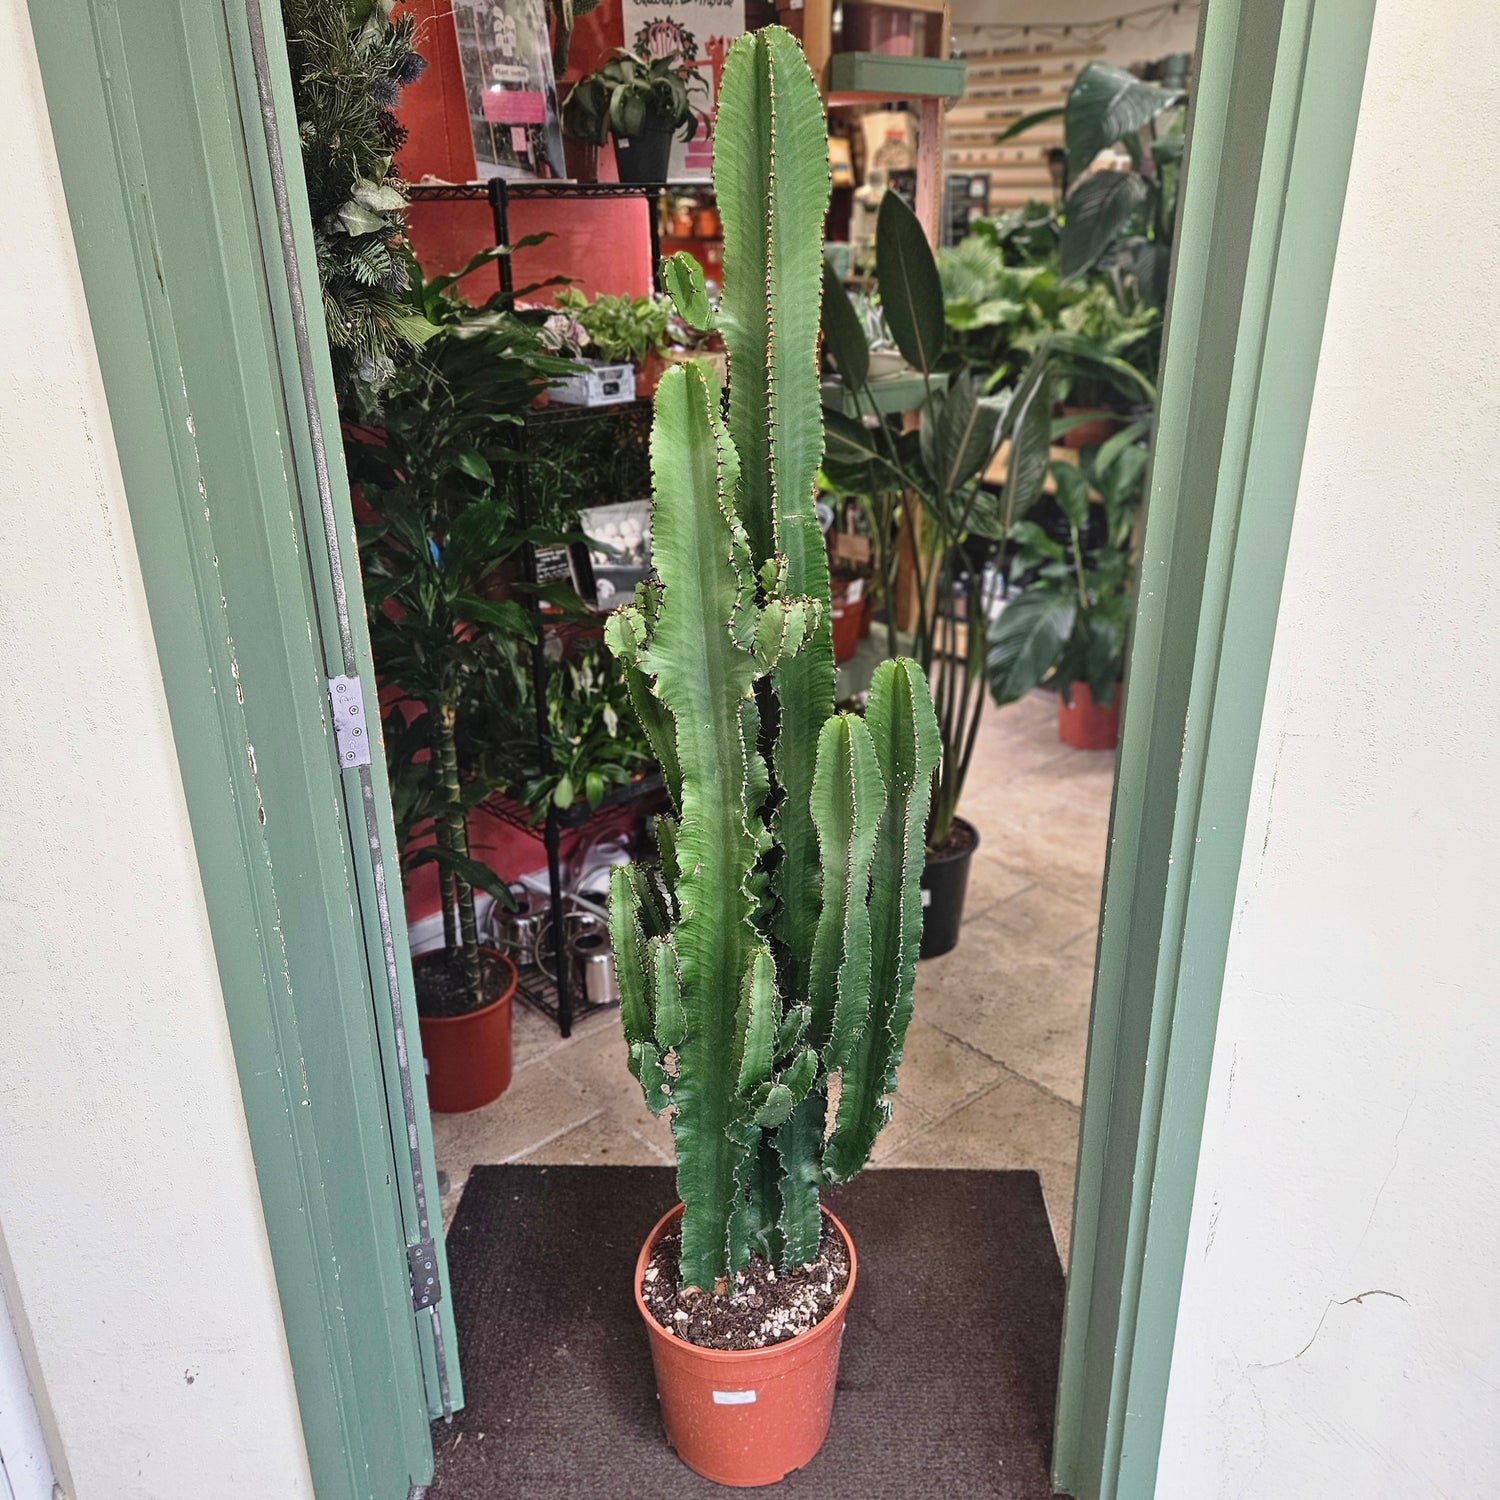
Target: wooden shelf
876	77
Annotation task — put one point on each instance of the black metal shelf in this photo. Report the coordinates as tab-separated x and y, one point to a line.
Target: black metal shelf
553	997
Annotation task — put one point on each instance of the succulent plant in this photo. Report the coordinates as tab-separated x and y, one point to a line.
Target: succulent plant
774	947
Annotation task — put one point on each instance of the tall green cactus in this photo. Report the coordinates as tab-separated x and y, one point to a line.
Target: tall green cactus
775	945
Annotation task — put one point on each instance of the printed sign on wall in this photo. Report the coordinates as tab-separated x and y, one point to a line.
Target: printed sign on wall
700	31
512	95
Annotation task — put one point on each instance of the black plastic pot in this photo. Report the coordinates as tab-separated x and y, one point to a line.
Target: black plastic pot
945	884
645	157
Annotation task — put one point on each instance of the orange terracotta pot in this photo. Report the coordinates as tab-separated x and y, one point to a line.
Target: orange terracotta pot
746	1417
1087	434
468	1057
1086	725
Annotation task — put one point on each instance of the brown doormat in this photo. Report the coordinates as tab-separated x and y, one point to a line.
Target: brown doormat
950	1353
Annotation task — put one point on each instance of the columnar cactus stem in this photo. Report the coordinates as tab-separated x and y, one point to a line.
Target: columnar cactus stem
774	944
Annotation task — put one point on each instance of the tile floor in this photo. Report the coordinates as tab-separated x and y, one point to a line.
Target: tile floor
993	1072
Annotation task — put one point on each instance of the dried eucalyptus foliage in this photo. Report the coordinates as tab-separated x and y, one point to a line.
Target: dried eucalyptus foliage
350	59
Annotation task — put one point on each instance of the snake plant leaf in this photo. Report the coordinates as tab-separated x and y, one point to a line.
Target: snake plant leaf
911	292
1099	210
1106	104
688	288
904	729
1026	640
848	797
843	334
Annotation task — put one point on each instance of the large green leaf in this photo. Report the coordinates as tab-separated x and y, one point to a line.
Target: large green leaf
843	334
1099	210
1026	640
968	430
1105	105
1029	424
911	292
1027	122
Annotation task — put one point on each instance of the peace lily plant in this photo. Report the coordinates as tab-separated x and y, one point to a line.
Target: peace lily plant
772	950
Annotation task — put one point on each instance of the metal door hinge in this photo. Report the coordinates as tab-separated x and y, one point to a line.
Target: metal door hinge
421	1260
349	726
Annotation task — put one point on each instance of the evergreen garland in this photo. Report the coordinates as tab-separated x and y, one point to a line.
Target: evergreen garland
350	60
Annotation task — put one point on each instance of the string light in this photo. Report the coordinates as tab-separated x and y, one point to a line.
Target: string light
1141	19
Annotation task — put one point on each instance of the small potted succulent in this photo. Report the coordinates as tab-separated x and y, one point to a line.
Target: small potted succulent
774	944
641	101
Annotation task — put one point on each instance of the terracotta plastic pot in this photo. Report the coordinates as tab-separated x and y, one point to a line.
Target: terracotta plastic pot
1087	434
1086	725
746	1416
468	1057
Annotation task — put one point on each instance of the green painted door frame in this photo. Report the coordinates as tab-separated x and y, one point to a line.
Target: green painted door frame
1276	100
165	167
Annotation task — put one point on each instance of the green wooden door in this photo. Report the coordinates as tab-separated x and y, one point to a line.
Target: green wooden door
167	172
1276	97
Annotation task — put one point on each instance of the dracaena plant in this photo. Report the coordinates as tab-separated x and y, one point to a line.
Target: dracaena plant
774	946
443	533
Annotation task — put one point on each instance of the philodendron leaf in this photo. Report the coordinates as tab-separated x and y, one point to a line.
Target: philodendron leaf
843	334
1105	104
1072	491
1026	641
1099	210
911	292
688	287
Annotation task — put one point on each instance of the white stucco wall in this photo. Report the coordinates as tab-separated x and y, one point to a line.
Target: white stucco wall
132	1246
1339	1333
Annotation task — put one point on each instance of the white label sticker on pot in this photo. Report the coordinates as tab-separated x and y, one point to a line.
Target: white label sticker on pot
733	1398
926	899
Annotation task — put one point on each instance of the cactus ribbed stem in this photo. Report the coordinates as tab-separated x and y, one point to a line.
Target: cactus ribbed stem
774	944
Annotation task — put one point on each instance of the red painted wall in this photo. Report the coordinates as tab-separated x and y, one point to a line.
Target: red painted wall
603	247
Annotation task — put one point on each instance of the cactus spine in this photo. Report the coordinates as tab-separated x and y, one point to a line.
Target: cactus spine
776	943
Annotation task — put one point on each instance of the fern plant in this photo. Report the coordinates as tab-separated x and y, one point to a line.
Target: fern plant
774	947
350	59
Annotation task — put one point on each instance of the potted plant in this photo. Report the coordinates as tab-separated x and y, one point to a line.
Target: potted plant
930	505
1067	627
440	534
641	101
774	944
620	329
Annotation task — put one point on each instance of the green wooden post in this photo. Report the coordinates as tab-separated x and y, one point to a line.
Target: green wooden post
1276	100
165	177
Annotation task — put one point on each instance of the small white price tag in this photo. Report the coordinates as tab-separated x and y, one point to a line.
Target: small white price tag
733	1398
926	899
